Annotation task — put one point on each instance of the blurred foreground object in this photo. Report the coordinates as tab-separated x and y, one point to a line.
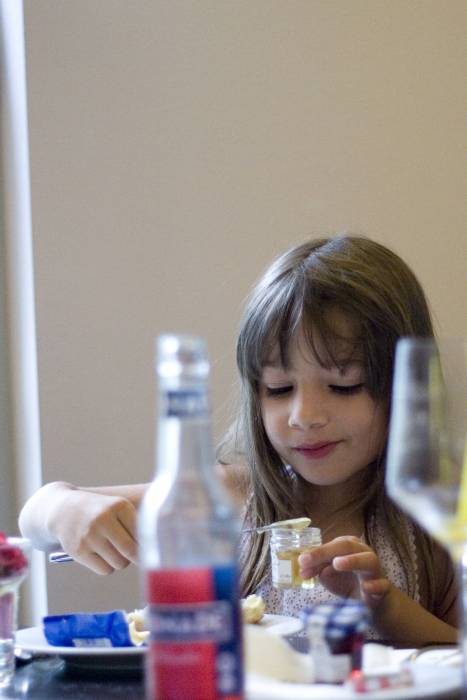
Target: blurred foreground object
188	533
14	565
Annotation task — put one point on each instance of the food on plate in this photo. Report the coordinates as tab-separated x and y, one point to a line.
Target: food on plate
253	607
269	655
136	627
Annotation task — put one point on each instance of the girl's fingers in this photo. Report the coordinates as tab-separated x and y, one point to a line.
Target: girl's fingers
127	546
127	542
311	562
363	563
374	590
108	544
111	555
118	532
128	518
347	567
102	557
375	586
94	562
97	530
112	535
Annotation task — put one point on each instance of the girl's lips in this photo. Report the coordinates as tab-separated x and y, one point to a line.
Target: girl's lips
318	451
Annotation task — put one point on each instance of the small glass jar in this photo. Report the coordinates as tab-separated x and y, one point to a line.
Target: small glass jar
286	546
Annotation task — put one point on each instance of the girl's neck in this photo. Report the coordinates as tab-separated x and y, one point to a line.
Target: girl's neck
335	509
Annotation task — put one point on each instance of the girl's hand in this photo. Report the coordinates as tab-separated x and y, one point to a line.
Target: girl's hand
97	530
347	567
351	569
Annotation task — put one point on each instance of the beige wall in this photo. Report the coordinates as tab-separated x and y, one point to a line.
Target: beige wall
176	147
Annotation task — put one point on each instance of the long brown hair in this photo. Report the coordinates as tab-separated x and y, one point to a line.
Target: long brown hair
376	289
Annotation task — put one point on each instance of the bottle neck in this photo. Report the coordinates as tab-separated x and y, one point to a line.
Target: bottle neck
184	444
184	401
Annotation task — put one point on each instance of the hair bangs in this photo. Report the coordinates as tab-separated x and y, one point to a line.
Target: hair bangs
270	327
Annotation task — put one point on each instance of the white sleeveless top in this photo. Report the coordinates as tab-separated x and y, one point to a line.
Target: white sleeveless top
293	600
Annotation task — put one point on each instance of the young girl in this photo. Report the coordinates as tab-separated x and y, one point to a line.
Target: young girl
315	355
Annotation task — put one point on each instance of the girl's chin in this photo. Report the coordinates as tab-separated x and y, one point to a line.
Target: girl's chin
317	479
327	479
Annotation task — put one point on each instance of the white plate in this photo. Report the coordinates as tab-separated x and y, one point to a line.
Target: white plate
280	624
32	639
430	681
115	659
449	656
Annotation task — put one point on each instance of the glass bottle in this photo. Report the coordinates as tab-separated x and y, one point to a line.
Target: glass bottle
286	545
188	533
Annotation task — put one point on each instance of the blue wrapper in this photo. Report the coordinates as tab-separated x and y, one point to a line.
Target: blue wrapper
106	629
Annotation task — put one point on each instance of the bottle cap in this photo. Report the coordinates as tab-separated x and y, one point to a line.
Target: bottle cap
182	357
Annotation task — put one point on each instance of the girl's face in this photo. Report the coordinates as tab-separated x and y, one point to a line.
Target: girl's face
321	421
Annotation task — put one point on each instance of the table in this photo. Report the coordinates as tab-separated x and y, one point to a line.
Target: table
49	679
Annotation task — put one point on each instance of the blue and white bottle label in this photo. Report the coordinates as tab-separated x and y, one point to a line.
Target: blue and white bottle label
186	404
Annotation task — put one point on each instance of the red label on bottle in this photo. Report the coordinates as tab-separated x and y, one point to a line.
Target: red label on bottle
195	644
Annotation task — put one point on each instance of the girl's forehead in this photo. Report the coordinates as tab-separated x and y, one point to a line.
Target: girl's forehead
337	344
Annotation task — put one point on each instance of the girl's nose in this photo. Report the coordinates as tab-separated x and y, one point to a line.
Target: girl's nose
307	412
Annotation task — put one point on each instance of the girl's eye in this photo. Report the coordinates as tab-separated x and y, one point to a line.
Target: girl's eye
277	390
346	390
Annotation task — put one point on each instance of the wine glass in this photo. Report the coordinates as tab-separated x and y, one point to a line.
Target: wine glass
426	471
426	468
14	563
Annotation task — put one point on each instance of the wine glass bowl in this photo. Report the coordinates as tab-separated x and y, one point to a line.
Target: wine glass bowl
426	469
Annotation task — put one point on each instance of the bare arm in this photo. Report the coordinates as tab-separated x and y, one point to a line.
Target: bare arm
96	526
133	492
400	619
349	568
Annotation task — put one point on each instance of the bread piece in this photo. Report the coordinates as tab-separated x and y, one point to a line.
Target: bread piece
253	607
137	627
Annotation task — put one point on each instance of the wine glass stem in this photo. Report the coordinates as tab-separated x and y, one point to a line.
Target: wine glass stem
463	574
8	611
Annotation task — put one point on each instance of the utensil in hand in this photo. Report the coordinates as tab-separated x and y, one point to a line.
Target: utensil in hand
59	557
294	523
